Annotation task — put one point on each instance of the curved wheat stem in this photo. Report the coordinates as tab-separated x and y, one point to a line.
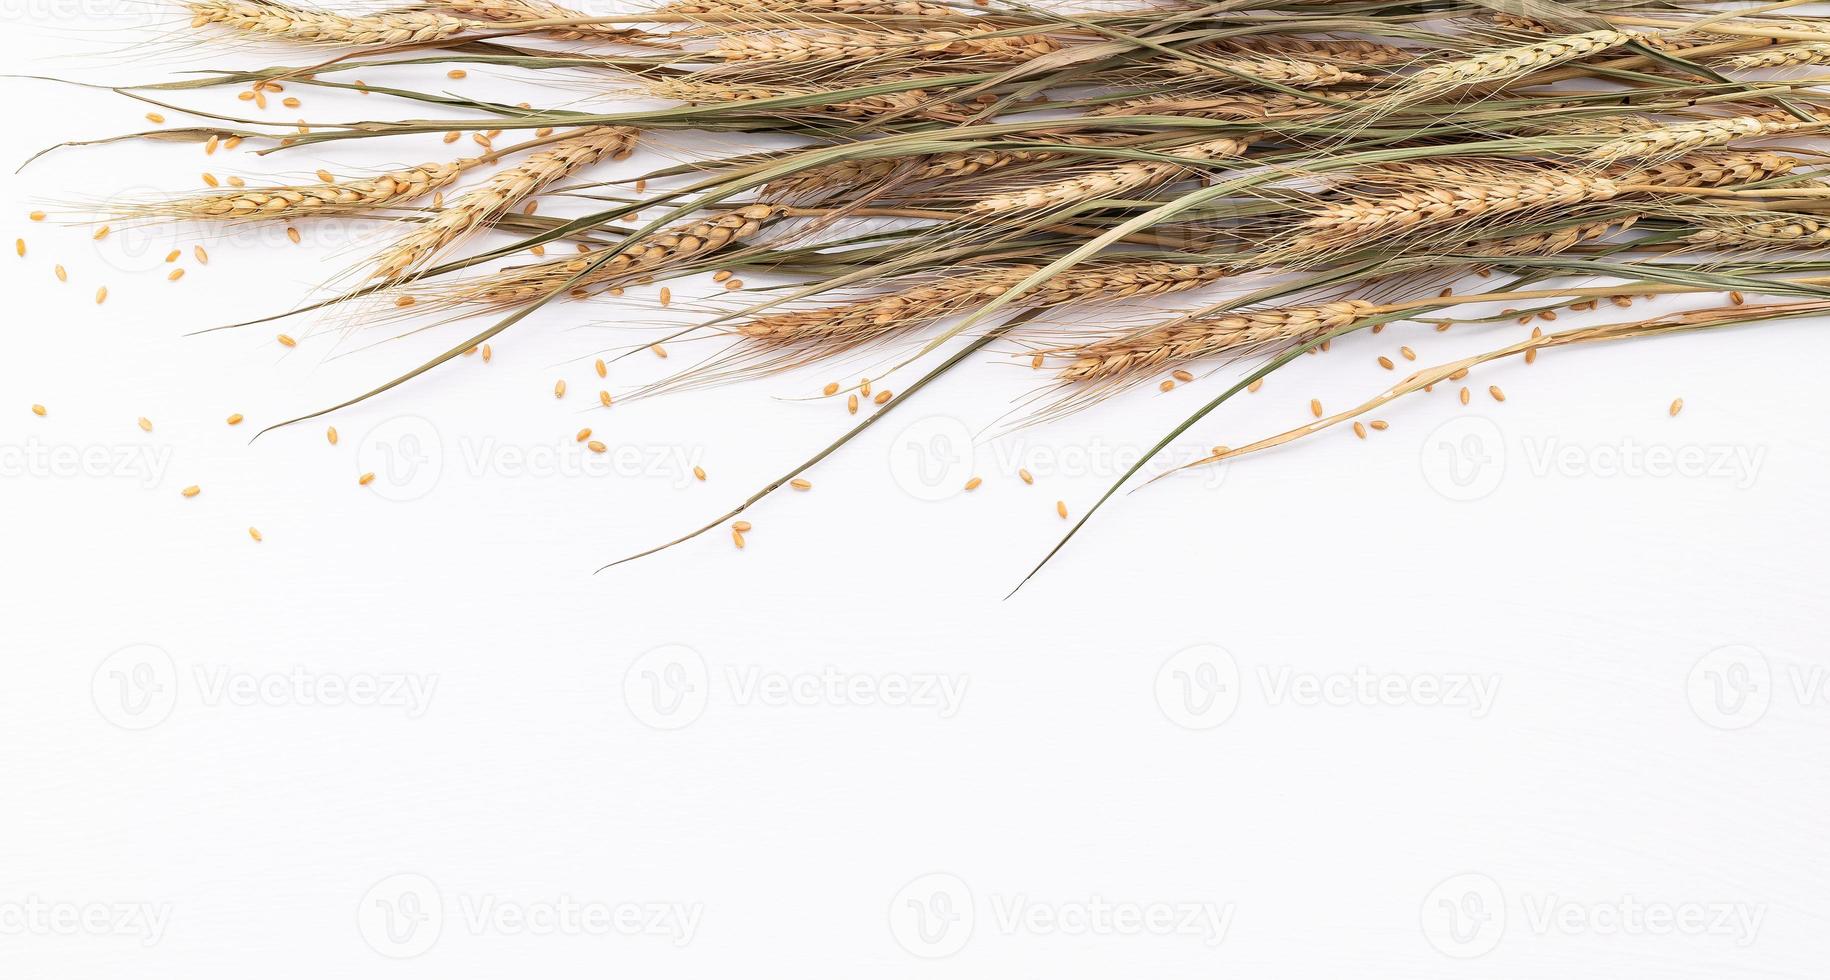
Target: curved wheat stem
502	191
1190	338
671	248
281	22
308	200
1110	180
838	327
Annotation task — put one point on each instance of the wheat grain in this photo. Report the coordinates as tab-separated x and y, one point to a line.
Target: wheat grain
386	190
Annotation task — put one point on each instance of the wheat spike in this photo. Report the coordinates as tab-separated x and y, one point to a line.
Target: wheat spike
281	22
1353	51
1244	105
307	200
1795	230
837	327
699	92
1679	138
513	11
1110	180
503	190
1273	68
1789	56
1549	242
669	248
847	174
1190	338
1465	196
1505	64
795	48
902	8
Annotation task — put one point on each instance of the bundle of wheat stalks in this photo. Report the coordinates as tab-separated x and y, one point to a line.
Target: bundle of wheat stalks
1253	178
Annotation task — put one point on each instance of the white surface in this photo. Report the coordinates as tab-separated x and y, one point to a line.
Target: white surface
1598	608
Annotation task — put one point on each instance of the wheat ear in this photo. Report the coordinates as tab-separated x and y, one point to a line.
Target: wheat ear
858	45
1273	68
281	22
835	328
513	11
307	200
1680	138
1469	199
502	191
902	8
666	249
1189	338
1108	181
1792	55
699	92
1492	67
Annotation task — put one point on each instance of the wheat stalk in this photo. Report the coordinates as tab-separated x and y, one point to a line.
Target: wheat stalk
1109	181
502	191
1190	338
281	22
